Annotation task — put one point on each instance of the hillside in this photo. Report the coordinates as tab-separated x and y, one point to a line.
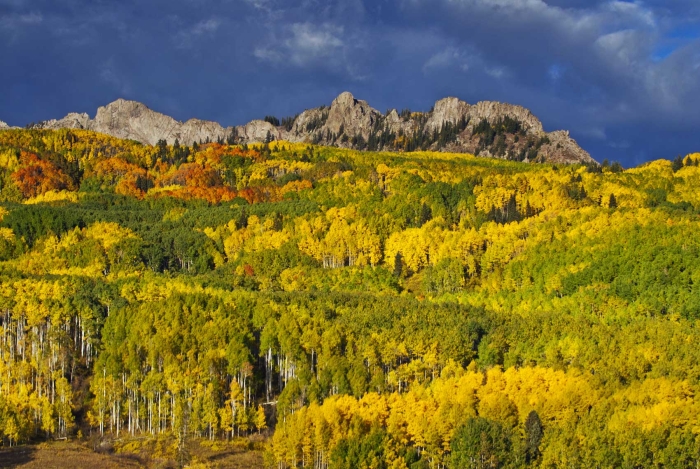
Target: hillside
487	128
383	309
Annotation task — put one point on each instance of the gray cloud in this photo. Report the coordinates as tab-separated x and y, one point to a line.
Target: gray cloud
304	44
314	46
187	37
621	75
448	58
13	23
606	49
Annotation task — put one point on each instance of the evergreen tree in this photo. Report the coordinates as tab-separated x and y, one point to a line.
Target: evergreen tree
533	436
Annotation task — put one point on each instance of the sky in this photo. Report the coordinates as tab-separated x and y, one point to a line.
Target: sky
622	76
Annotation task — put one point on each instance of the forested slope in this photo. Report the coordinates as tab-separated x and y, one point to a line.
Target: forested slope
364	309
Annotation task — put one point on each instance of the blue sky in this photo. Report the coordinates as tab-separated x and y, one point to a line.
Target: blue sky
622	76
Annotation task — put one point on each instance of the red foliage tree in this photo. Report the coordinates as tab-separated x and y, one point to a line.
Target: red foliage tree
36	176
192	175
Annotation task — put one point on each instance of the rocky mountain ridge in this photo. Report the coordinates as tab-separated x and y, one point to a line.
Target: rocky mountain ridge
487	128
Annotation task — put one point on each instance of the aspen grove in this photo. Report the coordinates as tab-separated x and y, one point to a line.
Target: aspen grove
357	309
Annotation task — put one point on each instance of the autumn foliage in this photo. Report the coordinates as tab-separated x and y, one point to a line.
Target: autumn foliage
36	176
357	309
214	173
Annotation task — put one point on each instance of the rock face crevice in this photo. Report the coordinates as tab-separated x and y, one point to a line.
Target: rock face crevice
486	128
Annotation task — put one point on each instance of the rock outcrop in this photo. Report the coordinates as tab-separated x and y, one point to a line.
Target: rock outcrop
351	116
258	131
6	126
196	130
346	116
135	121
71	121
564	149
446	110
486	128
493	111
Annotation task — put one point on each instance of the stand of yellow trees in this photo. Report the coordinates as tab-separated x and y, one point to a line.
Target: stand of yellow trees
403	310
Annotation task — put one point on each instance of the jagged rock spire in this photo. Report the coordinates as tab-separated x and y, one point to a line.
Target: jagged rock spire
349	122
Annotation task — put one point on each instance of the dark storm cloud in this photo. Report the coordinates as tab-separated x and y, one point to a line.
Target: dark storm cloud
622	76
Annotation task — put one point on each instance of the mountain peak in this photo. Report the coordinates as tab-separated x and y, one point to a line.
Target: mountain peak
124	107
344	99
122	101
448	101
447	110
487	128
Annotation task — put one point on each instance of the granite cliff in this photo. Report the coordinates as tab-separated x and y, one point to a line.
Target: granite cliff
486	128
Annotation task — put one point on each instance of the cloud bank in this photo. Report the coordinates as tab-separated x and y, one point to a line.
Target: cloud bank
623	76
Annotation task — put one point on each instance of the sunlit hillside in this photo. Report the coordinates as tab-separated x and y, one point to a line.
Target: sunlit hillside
359	309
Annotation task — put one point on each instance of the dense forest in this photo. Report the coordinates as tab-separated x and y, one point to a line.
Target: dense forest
362	309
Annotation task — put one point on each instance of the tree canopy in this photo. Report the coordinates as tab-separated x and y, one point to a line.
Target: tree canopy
363	309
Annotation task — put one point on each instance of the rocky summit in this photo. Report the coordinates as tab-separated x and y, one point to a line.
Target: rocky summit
135	121
486	128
